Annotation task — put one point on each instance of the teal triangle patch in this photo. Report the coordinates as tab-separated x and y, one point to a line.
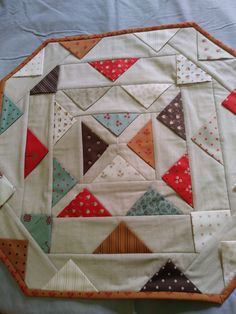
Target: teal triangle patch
40	227
116	122
63	182
153	203
10	113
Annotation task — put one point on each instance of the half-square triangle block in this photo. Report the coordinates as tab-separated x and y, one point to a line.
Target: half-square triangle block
16	252
188	72
10	113
116	122
48	84
93	147
40	227
85	204
142	144
153	203
35	151
208	139
113	68
122	241
172	116
119	170
70	278
86	97
170	278
63	121
63	182
178	177
146	94
80	48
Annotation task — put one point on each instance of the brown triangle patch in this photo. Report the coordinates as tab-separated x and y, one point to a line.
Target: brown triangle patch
16	252
93	147
122	241
80	48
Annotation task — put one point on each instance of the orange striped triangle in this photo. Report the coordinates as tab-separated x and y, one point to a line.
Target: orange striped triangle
80	48
121	241
142	144
16	252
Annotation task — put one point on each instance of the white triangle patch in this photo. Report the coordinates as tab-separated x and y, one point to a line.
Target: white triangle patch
189	73
207	50
70	278
146	94
119	170
63	121
228	253
85	97
34	67
157	39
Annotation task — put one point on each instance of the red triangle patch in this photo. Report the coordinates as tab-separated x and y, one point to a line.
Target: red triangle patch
85	204
114	68
35	151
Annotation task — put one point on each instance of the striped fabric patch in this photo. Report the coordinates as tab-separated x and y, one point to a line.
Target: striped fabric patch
121	241
48	84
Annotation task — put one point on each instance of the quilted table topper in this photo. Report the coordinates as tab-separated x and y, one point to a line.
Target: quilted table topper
118	166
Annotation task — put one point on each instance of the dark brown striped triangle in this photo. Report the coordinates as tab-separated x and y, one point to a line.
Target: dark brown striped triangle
80	48
170	278
16	252
122	240
93	147
48	84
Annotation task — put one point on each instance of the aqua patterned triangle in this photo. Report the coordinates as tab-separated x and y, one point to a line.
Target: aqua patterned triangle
116	122
40	227
10	113
153	203
63	182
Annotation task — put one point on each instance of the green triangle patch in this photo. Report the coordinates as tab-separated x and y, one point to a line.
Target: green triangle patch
40	227
153	203
63	182
10	113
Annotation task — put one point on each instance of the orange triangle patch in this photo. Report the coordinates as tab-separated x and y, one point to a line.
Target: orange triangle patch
80	48
122	241
16	252
142	144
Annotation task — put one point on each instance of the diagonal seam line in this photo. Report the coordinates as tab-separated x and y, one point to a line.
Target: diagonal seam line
201	66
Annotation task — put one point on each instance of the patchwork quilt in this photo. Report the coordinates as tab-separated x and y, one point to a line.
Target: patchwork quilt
117	160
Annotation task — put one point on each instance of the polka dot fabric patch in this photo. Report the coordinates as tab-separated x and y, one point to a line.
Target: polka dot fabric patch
208	139
63	182
10	113
39	226
179	179
172	116
119	170
206	224
80	48
114	68
153	203
16	251
85	204
170	278
142	144
116	122
93	147
146	94
63	121
34	67
188	72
